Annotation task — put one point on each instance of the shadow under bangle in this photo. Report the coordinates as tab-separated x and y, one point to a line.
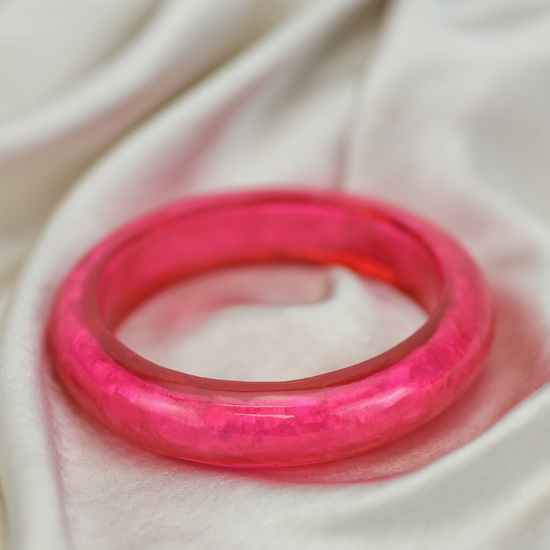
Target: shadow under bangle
316	419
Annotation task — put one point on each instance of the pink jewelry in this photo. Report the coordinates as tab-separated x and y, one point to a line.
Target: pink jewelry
305	421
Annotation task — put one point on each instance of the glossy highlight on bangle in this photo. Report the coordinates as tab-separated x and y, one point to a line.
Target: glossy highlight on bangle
321	418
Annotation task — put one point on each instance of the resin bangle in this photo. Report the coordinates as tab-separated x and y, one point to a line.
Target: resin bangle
325	417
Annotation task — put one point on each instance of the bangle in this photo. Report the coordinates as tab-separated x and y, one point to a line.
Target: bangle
316	419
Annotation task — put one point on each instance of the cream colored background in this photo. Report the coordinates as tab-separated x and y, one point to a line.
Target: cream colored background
108	109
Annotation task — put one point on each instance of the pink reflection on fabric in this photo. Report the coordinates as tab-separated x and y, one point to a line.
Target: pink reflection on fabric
306	421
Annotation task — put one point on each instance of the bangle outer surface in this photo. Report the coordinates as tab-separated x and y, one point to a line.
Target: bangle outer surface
316	419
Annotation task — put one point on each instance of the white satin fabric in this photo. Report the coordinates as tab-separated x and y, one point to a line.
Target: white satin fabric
439	106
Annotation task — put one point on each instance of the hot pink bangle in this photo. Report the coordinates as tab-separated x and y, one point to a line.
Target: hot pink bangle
311	420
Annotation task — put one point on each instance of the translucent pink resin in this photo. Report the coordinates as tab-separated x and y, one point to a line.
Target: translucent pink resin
311	420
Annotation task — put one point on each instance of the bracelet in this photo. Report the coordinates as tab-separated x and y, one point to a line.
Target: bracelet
316	419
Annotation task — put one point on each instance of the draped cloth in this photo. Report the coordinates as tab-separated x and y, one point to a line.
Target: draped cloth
111	109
